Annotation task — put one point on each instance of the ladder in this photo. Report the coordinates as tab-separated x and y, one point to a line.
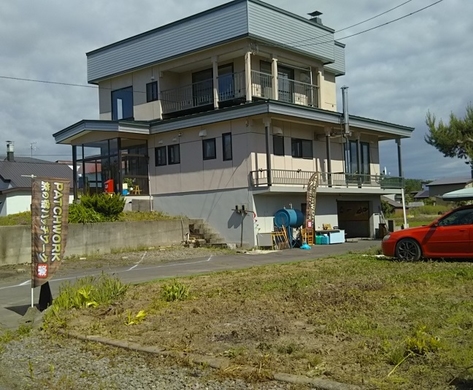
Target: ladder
280	238
310	211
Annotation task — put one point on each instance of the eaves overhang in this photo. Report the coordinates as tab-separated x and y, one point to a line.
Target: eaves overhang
269	107
67	135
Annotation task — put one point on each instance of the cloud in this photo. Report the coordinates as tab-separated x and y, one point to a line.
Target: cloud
395	73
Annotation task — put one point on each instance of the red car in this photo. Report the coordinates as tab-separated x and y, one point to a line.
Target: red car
449	236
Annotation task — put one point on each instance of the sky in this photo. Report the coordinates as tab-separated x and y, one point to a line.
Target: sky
395	73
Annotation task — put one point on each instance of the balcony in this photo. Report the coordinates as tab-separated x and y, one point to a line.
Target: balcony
231	89
283	177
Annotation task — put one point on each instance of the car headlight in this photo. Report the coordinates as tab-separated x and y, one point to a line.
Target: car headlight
386	237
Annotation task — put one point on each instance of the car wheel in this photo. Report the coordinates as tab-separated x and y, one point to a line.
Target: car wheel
408	249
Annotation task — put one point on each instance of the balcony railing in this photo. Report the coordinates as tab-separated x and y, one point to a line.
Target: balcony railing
290	91
295	178
232	86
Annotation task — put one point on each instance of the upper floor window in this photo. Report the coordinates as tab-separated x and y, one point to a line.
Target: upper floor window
352	158
152	91
122	104
227	146
278	145
174	154
160	156
202	87
209	149
301	148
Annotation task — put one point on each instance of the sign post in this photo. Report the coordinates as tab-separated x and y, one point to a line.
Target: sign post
49	211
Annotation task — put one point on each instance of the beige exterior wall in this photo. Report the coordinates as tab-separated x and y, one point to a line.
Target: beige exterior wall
328	92
178	73
194	173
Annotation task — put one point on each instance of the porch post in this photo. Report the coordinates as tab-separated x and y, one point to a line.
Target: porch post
215	81
249	91
399	160
358	159
74	172
267	125
159	108
318	104
274	74
329	156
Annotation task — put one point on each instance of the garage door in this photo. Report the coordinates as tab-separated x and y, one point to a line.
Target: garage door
354	218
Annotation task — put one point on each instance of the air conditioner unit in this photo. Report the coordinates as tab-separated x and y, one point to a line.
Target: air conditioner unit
256	90
300	98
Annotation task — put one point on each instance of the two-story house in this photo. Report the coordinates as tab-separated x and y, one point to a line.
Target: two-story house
235	107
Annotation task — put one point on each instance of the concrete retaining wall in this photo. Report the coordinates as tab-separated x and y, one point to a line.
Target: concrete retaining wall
92	239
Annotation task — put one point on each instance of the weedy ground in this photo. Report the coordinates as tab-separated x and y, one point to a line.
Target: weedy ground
354	319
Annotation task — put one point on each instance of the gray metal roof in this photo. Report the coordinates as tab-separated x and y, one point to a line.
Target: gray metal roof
450	180
15	174
422	194
229	22
3	157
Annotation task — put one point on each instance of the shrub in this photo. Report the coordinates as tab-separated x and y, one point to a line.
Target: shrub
109	206
78	213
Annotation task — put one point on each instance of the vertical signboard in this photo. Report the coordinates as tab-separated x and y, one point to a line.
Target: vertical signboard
49	211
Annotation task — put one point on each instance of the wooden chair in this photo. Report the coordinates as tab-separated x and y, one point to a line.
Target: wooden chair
136	190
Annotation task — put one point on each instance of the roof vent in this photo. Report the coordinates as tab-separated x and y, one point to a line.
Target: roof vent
10	151
315	17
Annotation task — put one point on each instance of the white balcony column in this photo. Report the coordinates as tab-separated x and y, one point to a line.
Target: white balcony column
215	80
249	91
159	106
267	131
274	74
319	89
312	92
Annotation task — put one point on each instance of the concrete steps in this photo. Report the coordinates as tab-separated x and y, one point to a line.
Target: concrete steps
202	234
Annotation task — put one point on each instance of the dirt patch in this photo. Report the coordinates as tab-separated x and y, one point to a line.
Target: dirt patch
349	319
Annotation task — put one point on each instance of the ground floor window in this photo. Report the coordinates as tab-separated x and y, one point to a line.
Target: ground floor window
107	165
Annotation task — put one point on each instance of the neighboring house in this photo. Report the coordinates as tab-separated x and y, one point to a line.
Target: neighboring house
227	108
15	181
441	186
396	206
422	195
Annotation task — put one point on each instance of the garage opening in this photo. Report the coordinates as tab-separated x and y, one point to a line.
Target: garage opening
354	218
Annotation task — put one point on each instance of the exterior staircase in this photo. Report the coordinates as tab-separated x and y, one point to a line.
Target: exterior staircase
202	234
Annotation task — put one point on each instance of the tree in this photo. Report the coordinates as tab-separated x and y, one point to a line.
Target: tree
454	139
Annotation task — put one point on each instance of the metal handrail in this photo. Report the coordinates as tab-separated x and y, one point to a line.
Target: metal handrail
259	178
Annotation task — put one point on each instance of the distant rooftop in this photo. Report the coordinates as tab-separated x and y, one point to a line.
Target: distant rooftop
450	180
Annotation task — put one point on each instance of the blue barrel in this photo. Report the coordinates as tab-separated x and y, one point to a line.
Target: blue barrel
288	218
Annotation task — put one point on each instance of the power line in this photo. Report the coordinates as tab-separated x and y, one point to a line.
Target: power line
353	25
292	44
47	82
375	27
57	83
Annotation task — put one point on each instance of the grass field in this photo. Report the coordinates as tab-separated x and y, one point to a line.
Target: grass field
356	319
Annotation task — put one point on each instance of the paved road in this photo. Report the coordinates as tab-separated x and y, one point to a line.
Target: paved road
15	296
